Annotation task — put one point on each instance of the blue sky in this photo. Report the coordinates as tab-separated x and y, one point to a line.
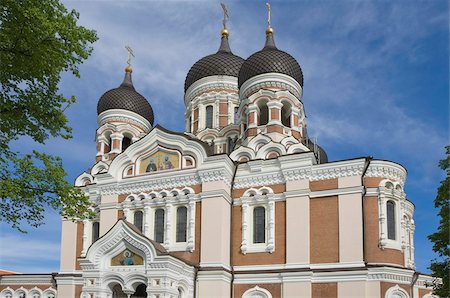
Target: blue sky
376	83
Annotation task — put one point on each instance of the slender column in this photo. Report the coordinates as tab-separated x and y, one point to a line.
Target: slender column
271	225
252	116
168	231
274	107
294	111
127	213
245	218
147	210
382	216
201	117
87	231
191	229
116	146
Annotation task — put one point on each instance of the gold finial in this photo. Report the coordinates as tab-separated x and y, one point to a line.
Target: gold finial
130	54
269	17
225	19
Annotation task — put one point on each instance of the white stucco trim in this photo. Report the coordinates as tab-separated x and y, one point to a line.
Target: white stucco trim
120	115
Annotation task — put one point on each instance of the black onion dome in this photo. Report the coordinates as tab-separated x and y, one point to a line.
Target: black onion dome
224	62
125	97
270	59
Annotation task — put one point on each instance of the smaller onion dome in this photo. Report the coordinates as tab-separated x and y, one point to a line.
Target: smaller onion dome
125	97
224	62
270	59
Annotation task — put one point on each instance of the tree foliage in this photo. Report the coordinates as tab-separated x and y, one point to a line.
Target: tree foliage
441	239
39	40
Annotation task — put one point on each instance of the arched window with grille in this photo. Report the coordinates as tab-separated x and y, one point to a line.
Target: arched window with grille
209	117
181	224
95	231
159	225
259	225
138	218
390	212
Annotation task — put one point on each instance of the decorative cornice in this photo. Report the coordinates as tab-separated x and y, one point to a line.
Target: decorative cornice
298	169
211	83
174	181
124	116
270	80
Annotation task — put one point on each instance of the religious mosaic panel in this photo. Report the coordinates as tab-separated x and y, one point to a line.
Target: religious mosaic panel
127	258
161	160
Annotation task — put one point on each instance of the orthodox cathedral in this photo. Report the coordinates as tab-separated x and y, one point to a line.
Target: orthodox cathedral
243	203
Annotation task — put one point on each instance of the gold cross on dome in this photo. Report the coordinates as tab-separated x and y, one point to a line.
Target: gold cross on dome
225	15
269	12
130	54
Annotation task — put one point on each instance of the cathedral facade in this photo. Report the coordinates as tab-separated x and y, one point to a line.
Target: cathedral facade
241	204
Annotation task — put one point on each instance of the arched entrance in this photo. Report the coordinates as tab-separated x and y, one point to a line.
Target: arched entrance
141	292
117	292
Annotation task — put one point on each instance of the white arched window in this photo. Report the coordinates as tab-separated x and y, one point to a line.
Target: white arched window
263	118
159	225
258	221
126	142
391	220
7	293
259	225
396	292
138	219
209	116
286	114
181	231
257	292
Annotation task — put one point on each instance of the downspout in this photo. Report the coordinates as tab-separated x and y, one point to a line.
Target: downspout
195	281
414	279
236	164
367	161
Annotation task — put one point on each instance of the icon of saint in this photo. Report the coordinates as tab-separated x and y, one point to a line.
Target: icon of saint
167	163
127	259
151	165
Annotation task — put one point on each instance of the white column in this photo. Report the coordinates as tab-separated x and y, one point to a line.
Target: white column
413	227
116	136
147	210
216	113
271	226
295	111
245	218
201	117
87	235
274	104
382	217
252	109
127	213
191	227
168	230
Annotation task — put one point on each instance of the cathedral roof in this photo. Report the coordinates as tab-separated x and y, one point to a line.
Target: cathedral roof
224	62
270	59
125	97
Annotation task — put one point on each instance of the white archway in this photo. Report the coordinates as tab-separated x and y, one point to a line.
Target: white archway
396	292
257	292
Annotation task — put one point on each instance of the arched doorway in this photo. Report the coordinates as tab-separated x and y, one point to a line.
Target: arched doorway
117	292
141	292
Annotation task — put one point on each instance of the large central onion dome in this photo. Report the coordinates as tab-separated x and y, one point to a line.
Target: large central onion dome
224	62
270	59
125	97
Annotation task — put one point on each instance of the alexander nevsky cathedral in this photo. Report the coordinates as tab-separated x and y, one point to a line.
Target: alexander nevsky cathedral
243	203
